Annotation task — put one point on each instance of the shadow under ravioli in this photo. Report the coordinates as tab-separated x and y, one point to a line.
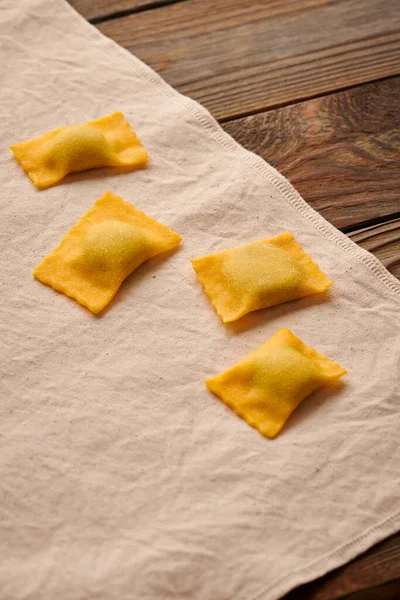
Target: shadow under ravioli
106	142
109	242
258	275
266	386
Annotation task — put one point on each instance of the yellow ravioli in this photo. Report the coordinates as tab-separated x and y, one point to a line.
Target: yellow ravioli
265	387
109	242
258	275
106	142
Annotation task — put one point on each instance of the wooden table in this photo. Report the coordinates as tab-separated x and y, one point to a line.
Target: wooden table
313	86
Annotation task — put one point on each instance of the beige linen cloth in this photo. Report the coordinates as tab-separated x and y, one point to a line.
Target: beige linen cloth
121	476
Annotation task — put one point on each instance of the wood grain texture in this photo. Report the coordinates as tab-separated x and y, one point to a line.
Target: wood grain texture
377	565
101	9
238	57
384	242
341	152
387	591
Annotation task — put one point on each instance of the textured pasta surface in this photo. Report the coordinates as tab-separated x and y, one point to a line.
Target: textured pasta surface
109	242
258	275
106	142
266	386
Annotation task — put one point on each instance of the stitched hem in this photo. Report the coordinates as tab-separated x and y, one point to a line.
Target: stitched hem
339	556
285	188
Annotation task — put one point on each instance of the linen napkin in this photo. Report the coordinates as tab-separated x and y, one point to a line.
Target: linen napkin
121	476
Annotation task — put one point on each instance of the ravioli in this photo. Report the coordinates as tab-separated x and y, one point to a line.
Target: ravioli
109	242
267	385
106	142
257	275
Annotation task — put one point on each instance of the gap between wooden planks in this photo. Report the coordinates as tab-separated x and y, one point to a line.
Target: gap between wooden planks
384	242
103	10
341	151
238	56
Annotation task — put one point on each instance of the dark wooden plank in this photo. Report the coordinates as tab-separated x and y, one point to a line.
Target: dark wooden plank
94	9
238	57
341	151
102	9
376	566
384	242
387	591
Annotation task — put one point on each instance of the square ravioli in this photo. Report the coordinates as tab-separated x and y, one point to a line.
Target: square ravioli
258	275
267	385
109	242
106	142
